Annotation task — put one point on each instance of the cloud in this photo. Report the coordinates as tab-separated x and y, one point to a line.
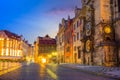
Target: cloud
58	11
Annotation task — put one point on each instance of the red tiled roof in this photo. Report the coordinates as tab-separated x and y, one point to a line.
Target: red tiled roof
47	40
51	41
11	35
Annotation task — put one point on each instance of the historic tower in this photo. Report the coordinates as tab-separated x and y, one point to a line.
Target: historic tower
99	34
88	31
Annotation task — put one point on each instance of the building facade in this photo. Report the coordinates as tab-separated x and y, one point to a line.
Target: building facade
10	46
105	43
45	47
94	37
77	24
87	32
27	50
60	41
99	42
13	47
68	41
115	11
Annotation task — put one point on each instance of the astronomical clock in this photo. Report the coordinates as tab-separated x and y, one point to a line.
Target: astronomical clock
88	29
107	29
88	46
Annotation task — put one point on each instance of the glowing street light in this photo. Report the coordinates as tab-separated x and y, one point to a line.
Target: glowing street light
43	60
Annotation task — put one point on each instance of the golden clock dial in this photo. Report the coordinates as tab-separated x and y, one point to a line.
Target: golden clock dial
88	45
107	29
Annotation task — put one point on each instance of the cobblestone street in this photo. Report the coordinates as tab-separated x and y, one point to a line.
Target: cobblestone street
52	71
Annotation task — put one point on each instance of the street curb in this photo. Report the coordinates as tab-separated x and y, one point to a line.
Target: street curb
90	72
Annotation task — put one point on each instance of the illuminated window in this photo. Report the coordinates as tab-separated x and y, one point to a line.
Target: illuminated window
7	43
10	52
18	54
7	52
1	38
1	43
13	53
2	52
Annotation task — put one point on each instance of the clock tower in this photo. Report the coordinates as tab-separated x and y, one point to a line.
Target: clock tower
99	45
105	52
88	39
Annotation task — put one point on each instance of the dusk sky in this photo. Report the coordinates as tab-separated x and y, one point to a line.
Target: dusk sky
33	18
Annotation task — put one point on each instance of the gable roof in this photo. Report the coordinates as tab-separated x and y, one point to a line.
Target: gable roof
10	34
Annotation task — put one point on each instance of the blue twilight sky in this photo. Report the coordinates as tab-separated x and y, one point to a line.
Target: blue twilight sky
32	18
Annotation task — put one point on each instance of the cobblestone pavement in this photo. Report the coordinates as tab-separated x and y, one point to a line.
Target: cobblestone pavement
35	71
99	70
28	72
67	72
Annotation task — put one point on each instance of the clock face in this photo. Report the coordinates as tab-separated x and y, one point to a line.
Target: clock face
88	45
88	29
107	29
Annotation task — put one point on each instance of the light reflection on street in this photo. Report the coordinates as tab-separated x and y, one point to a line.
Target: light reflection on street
42	71
6	67
52	74
28	63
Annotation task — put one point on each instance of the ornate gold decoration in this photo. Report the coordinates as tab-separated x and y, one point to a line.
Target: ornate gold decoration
88	45
107	29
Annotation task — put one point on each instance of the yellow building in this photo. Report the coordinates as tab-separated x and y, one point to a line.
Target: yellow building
45	48
77	25
13	47
60	41
27	50
10	46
